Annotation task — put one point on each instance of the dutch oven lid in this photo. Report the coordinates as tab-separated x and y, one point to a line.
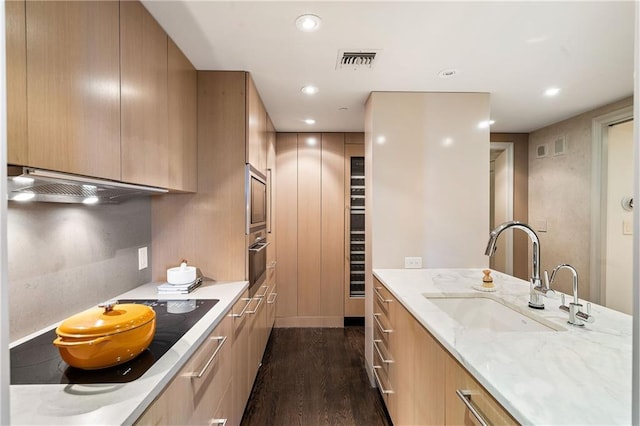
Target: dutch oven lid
108	318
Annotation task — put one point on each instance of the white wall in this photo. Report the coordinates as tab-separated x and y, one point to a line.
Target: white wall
619	247
560	194
65	258
4	280
430	179
427	178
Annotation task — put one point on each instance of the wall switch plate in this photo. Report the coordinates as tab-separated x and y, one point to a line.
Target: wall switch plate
143	261
413	262
627	227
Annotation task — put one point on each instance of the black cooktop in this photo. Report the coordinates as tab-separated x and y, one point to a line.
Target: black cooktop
37	361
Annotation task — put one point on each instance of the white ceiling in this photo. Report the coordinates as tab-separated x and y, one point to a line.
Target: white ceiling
513	50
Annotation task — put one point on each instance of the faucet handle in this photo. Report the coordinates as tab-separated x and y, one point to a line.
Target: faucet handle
546	279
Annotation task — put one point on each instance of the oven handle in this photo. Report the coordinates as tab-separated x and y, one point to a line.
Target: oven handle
262	247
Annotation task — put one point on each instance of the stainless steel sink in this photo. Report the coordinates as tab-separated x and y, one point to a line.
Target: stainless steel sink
480	311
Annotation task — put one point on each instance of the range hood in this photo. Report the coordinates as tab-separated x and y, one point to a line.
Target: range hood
30	184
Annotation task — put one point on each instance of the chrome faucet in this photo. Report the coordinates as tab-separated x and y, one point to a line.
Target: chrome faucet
536	291
576	316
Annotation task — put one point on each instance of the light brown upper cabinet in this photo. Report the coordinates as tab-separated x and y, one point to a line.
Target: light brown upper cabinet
183	129
144	106
256	128
98	89
209	227
73	90
16	54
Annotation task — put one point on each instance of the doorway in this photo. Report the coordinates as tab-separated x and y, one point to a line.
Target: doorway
612	224
501	202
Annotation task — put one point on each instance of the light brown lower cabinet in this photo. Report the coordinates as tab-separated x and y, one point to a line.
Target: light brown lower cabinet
196	394
241	331
215	384
429	378
258	325
421	383
271	307
467	401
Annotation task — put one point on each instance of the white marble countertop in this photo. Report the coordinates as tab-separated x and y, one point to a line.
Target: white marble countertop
578	376
115	404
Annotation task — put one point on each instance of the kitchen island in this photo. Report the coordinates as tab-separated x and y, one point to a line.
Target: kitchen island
122	403
566	375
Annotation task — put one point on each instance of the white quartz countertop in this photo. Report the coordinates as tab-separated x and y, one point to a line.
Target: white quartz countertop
577	376
121	403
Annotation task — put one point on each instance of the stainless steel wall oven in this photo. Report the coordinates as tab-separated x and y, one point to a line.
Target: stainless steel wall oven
257	261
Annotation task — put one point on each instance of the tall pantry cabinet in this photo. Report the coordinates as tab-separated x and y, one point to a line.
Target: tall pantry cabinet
310	202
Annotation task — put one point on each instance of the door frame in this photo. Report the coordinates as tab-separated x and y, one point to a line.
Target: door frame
509	152
599	147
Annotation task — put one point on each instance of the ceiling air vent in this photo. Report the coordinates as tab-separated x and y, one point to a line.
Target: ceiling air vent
355	60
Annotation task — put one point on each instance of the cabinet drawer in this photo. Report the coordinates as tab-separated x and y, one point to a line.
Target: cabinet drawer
383	298
239	312
209	370
222	414
193	394
382	377
466	400
382	356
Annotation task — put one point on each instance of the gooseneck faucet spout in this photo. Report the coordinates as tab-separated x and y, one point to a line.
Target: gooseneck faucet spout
576	316
537	289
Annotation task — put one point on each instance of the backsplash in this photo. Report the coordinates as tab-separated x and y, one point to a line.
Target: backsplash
67	258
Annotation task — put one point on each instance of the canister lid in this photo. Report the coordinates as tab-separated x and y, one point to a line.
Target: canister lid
104	321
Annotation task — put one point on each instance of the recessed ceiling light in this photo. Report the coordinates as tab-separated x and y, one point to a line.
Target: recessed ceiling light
536	40
552	91
310	121
448	73
309	90
484	124
381	140
308	23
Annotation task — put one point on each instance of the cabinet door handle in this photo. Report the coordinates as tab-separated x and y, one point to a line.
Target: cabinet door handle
266	287
199	375
382	389
259	299
465	396
222	422
380	327
270	300
245	299
375	345
380	297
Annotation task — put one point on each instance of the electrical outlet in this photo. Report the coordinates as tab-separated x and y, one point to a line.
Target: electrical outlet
143	261
540	225
413	262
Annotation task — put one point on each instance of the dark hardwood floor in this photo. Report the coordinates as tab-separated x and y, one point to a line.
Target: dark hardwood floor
314	376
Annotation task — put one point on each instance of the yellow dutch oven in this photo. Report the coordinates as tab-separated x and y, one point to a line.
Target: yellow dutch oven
106	336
